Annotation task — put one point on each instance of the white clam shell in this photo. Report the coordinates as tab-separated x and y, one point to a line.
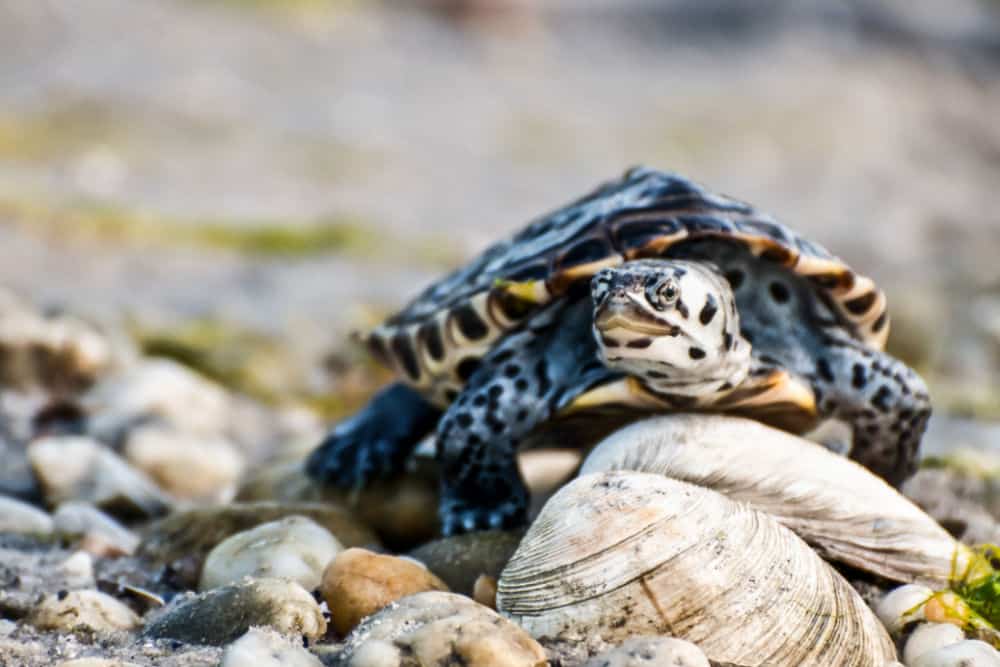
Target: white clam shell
619	554
844	511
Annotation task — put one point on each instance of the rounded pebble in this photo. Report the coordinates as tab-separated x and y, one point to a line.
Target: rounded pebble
78	570
221	615
927	637
82	610
262	648
20	517
358	583
188	466
485	591
651	652
76	518
460	560
438	628
79	468
902	606
294	548
968	653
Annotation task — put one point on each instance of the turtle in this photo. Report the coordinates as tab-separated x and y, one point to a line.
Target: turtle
649	294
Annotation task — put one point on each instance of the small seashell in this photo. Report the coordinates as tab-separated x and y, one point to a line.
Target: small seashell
902	606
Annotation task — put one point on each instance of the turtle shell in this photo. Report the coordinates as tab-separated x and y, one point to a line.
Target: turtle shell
436	341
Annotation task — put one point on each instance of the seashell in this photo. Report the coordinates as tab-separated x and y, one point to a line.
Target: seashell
840	508
619	554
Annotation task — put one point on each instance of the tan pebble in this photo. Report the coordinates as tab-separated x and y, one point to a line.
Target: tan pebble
186	465
86	610
78	570
927	637
264	648
484	591
359	582
438	628
294	548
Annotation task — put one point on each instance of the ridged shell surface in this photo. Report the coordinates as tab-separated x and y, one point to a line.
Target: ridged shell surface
618	554
840	508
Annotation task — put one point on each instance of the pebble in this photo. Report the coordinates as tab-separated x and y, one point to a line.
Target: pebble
403	511
76	518
186	465
294	548
438	628
20	517
262	648
80	468
78	570
221	615
651	652
82	610
902	606
485	591
157	390
182	540
358	583
968	653
927	637
462	559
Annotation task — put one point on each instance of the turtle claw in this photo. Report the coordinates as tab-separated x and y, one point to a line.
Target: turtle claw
459	517
375	443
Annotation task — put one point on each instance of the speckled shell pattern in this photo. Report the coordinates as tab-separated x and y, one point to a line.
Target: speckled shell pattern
436	341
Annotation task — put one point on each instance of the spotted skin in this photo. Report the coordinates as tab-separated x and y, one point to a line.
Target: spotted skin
530	376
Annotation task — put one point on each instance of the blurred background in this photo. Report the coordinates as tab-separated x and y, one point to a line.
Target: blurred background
241	182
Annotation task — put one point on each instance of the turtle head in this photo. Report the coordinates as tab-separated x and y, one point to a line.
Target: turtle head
671	323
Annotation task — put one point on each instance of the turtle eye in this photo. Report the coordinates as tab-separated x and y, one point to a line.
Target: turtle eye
665	294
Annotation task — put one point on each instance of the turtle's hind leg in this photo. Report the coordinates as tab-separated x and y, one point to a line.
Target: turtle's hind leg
520	384
883	400
376	441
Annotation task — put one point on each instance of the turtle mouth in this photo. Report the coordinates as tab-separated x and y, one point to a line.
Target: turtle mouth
632	318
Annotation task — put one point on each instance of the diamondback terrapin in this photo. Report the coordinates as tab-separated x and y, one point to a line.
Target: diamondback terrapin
652	294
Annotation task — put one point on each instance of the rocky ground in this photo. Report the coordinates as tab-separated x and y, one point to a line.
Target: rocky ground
199	199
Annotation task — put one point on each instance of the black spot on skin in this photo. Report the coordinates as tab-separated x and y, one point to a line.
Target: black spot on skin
521	415
479	401
496	391
403	350
735	278
513	308
880	322
450	395
708	310
521	384
473	440
780	293
860	305
609	342
726	386
470	323
656	375
767	359
696	353
511	370
748	336
881	398
682	308
858	377
503	356
466	367
464	419
777	254
639	343
824	370
541	372
495	424
727	340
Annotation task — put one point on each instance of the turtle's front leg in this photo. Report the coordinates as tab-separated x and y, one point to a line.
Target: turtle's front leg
519	385
883	400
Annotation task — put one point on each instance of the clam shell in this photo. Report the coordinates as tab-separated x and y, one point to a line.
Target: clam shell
844	511
619	554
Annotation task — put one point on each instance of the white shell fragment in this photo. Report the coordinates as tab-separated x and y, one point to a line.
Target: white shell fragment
840	508
618	554
929	637
902	606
